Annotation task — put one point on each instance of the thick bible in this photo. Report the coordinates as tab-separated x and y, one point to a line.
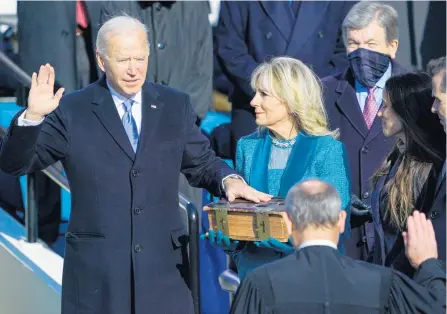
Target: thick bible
248	221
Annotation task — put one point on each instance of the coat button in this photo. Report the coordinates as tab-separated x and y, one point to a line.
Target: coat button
320	34
364	150
268	35
137	248
137	210
157	6
161	45
135	173
433	214
365	195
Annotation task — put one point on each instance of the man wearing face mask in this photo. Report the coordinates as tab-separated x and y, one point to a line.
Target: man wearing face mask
352	100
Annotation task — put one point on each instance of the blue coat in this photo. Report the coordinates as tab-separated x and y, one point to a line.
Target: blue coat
250	32
125	231
319	157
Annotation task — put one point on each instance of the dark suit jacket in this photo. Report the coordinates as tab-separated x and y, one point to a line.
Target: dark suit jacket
47	34
366	148
318	280
438	218
250	32
125	218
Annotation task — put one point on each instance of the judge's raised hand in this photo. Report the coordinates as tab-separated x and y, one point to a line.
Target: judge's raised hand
419	239
237	188
42	100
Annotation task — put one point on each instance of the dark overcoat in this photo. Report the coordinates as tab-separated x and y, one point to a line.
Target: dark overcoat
367	148
251	32
123	243
47	34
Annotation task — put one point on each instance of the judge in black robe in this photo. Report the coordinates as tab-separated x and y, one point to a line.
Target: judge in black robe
317	279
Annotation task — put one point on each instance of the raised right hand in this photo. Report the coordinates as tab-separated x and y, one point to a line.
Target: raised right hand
420	240
42	100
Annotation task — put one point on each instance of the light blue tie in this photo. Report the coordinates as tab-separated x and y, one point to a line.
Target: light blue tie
130	126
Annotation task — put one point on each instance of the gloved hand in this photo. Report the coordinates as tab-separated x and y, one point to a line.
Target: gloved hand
220	241
359	208
274	244
360	212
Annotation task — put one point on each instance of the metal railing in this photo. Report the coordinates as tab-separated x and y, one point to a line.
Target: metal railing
31	221
194	258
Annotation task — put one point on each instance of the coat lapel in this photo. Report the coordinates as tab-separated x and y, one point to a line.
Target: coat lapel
375	130
375	211
440	185
151	110
300	158
349	106
275	13
309	17
104	108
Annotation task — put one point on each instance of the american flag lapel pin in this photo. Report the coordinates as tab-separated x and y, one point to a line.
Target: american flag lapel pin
153	106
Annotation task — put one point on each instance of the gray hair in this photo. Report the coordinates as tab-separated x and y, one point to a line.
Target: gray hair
121	24
436	66
365	12
313	203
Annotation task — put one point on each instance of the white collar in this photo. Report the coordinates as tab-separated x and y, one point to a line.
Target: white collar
119	99
317	243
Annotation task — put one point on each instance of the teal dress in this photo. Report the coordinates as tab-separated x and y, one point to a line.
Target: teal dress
274	166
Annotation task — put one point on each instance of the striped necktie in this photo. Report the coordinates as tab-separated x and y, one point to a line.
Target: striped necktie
130	126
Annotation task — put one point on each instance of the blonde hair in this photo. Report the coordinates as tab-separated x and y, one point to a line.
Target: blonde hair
294	84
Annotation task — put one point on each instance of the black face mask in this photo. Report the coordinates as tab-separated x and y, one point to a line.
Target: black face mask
368	66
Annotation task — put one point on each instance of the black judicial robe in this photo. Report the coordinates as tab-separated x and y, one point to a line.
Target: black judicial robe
319	280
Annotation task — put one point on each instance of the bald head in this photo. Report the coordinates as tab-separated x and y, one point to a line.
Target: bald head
314	187
313	203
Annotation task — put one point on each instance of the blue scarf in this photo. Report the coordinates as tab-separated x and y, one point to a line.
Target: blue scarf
302	152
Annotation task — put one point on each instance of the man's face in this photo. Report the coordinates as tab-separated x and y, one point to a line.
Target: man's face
440	101
126	61
372	37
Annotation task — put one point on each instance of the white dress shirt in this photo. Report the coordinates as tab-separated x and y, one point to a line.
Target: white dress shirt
317	243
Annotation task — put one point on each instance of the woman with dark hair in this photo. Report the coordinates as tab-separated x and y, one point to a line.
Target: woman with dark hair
406	180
